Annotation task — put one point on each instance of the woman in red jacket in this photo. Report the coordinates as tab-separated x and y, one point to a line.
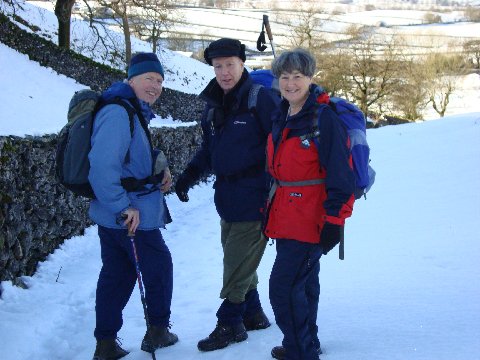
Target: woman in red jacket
313	194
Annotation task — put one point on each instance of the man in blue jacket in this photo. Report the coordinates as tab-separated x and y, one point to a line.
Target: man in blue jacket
233	148
118	153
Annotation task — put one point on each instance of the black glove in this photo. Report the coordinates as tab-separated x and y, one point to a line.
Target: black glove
330	236
185	181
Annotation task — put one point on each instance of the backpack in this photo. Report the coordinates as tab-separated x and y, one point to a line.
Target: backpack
262	78
74	140
353	120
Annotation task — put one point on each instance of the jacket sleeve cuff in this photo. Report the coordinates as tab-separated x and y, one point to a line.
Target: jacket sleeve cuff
334	220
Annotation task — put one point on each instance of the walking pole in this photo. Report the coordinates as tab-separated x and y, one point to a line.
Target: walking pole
341	249
131	235
269	32
261	42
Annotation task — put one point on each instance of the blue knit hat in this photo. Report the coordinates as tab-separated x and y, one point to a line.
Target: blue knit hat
142	63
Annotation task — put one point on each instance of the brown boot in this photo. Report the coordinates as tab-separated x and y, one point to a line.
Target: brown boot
222	336
258	321
160	337
108	349
278	352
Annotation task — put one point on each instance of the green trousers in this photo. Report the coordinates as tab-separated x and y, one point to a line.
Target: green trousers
243	247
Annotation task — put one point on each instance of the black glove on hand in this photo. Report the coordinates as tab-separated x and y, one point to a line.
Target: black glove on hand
330	236
185	181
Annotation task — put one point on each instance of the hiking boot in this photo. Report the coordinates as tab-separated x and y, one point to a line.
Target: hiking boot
257	321
160	337
108	349
222	336
278	352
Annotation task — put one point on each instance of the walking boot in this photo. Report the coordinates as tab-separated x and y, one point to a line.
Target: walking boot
257	321
108	349
279	353
222	336
157	337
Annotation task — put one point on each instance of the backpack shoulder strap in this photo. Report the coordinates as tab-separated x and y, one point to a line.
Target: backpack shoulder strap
210	115
131	111
136	106
253	96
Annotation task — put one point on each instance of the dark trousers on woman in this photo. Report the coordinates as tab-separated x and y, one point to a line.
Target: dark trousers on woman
118	277
294	293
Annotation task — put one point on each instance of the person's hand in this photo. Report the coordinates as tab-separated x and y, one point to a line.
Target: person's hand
181	188
185	181
166	181
132	219
330	236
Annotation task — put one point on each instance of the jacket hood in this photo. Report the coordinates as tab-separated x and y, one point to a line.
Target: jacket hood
118	89
124	90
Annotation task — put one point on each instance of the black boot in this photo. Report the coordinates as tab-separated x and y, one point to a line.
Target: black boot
257	321
222	336
278	352
160	337
108	349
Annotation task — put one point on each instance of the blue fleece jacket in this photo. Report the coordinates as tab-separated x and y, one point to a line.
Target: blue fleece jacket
111	141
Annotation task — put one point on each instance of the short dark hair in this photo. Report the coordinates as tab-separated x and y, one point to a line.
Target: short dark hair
297	59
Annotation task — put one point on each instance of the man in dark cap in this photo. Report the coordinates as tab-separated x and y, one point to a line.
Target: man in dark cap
233	148
120	150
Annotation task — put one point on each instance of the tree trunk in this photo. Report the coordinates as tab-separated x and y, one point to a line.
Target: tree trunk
63	12
128	42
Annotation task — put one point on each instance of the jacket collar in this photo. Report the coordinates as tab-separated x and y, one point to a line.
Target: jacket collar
124	91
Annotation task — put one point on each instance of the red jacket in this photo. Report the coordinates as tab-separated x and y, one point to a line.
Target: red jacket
299	212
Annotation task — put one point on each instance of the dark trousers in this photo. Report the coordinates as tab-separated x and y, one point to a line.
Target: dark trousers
232	314
118	277
294	293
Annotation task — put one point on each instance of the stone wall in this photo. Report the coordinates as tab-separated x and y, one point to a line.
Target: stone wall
37	214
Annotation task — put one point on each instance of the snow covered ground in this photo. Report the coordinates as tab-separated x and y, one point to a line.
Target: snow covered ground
408	289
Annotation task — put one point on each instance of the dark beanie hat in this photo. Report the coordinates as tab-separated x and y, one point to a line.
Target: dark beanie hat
142	63
224	48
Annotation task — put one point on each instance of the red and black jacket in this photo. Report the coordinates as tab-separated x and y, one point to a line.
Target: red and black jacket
299	211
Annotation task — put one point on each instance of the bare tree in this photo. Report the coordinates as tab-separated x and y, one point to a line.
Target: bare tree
121	10
472	49
304	25
148	19
373	69
444	72
100	43
331	66
63	12
157	17
12	5
411	96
